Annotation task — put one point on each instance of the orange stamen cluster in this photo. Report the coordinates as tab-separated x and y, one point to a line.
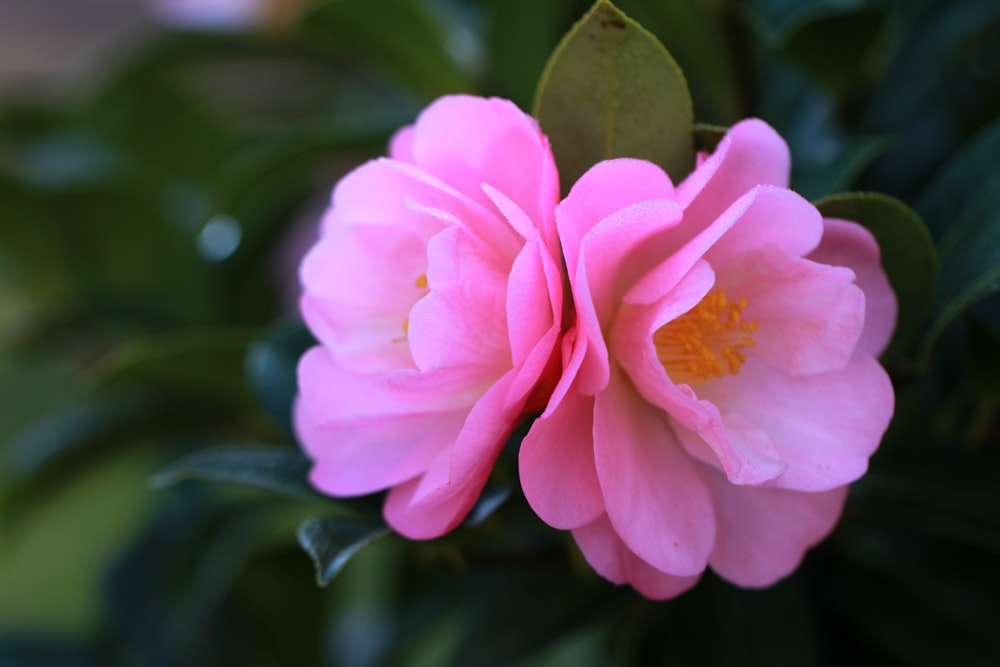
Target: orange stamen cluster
707	341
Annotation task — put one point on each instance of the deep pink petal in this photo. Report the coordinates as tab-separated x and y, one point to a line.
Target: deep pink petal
653	495
401	145
763	533
558	476
371	454
849	244
808	316
610	558
823	427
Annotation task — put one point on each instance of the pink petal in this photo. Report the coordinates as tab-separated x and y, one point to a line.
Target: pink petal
809	316
654	497
764	216
371	454
462	321
773	217
610	558
750	154
333	393
763	533
435	503
401	145
468	141
824	427
558	476
359	286
631	341
605	188
849	244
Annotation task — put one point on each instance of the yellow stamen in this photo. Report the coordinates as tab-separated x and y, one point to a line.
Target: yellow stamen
706	342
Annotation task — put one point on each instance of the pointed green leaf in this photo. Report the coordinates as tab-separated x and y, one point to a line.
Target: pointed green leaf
331	542
611	90
281	470
908	256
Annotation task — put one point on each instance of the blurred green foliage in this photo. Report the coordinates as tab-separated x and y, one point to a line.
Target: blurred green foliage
147	270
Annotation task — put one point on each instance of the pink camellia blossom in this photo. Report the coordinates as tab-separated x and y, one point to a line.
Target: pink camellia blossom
436	296
720	385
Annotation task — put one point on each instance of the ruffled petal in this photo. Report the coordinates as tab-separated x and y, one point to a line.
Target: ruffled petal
849	244
763	533
370	454
750	154
654	497
610	558
333	393
808	316
468	141
557	470
436	502
462	321
823	427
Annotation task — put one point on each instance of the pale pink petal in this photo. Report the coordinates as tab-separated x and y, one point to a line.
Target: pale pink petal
654	497
750	154
558	476
823	427
849	244
763	533
610	558
468	141
365	455
808	316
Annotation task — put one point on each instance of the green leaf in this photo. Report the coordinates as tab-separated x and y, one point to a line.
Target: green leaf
398	37
331	542
611	90
695	35
271	369
908	256
281	470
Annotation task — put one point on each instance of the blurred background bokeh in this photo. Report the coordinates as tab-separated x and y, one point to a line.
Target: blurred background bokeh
162	167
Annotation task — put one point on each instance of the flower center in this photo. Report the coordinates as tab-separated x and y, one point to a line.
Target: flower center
707	341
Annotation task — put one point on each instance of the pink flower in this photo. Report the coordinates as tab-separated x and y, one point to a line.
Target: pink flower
436	296
720	385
